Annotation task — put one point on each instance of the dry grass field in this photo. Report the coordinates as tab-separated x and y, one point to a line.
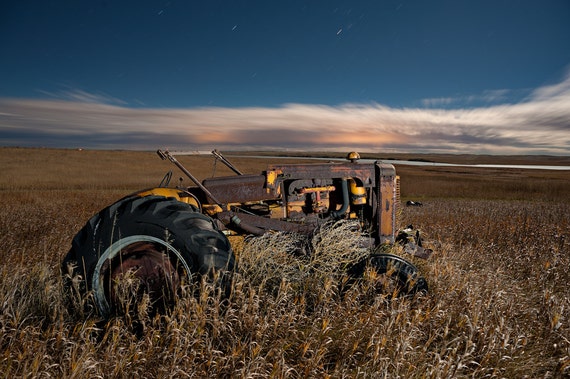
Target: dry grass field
498	306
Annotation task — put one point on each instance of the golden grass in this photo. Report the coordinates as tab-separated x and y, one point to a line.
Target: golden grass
499	304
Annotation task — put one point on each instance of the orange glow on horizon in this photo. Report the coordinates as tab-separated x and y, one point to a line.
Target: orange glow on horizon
364	138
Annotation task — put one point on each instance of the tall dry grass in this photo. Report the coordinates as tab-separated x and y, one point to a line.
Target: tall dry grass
498	304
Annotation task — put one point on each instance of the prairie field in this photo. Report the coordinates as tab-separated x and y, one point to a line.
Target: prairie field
498	305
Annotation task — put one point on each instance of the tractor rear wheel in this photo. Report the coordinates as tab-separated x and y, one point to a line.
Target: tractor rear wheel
160	242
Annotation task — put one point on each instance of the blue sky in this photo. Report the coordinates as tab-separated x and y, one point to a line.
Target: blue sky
403	76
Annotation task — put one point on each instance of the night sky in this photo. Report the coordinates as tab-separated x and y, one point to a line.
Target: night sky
405	76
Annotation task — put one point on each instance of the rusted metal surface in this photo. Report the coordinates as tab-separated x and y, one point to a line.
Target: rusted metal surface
278	173
238	189
387	192
153	271
265	223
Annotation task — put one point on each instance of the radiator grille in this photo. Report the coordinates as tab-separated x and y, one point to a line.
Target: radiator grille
398	203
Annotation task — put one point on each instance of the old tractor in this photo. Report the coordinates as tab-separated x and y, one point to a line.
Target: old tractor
166	236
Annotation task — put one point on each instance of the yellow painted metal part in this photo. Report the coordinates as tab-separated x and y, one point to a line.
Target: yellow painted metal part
271	178
353	156
318	189
169	192
212	209
358	193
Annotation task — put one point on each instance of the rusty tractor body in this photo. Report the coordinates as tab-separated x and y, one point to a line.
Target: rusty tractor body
186	228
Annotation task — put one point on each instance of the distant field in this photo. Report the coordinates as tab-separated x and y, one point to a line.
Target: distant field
59	169
499	304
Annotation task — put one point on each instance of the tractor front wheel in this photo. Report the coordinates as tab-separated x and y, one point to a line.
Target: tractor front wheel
388	275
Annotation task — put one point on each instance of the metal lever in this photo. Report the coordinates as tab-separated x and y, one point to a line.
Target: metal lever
166	155
229	164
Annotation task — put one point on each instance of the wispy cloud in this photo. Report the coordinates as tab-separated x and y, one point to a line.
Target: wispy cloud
487	97
538	125
77	95
558	91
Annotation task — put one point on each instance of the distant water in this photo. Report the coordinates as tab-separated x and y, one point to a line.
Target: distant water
523	166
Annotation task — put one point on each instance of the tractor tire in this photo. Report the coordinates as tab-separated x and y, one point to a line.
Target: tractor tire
194	245
394	276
